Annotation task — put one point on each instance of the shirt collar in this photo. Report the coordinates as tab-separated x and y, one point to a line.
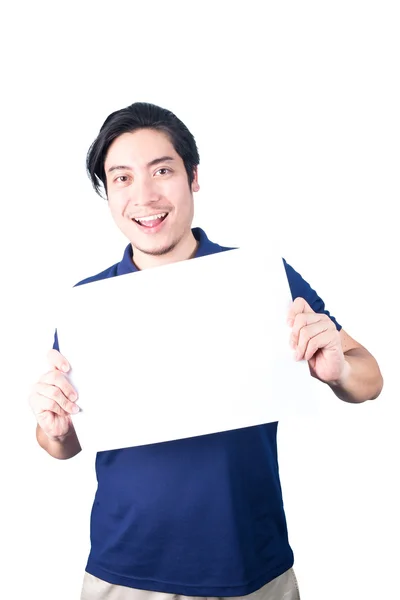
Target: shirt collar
205	247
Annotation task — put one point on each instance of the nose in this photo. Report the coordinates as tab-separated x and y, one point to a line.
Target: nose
144	192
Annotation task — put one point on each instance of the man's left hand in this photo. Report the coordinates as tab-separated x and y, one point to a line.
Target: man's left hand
315	338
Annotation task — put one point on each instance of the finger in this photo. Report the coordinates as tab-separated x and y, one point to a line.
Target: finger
54	394
306	334
58	361
322	340
304	320
57	379
41	404
299	305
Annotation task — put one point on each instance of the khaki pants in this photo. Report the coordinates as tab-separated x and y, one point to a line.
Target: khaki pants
283	587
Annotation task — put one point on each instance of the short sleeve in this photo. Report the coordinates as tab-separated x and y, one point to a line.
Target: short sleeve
299	288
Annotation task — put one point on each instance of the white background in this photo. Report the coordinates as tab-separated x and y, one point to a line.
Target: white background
295	109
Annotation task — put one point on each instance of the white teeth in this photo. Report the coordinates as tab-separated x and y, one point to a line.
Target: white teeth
151	218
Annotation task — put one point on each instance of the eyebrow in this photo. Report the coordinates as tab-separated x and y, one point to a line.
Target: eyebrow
152	163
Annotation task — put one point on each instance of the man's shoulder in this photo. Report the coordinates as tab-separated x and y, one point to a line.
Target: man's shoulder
106	274
205	245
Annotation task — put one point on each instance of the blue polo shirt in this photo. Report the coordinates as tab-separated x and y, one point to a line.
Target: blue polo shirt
197	517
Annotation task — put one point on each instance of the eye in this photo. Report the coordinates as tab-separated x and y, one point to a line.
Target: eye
163	171
122	180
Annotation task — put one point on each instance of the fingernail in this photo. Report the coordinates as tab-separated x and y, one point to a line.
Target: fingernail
64	367
75	409
73	397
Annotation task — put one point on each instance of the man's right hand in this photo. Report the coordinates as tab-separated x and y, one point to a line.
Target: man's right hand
53	399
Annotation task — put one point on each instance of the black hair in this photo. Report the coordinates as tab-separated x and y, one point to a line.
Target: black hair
140	115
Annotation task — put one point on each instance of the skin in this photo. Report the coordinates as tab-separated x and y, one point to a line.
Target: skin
142	181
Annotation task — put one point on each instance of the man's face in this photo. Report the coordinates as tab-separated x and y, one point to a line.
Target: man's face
148	191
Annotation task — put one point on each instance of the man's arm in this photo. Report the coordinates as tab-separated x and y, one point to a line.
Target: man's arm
333	356
362	379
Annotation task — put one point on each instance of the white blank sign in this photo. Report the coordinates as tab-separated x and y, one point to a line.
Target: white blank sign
191	348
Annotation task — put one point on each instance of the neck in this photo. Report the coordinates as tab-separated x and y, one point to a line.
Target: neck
184	250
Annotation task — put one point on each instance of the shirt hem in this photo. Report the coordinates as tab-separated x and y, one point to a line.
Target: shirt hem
184	589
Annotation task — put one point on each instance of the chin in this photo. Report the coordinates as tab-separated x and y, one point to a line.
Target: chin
155	249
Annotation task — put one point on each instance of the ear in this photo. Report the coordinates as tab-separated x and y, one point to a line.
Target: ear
195	182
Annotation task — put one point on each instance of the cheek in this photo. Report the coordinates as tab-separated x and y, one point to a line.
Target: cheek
183	201
184	209
117	205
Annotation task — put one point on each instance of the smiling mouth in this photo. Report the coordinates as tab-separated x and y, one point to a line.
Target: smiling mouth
151	221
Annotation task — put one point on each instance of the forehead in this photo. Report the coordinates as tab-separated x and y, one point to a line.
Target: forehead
139	148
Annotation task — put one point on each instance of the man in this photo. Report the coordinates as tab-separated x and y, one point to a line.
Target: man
201	516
